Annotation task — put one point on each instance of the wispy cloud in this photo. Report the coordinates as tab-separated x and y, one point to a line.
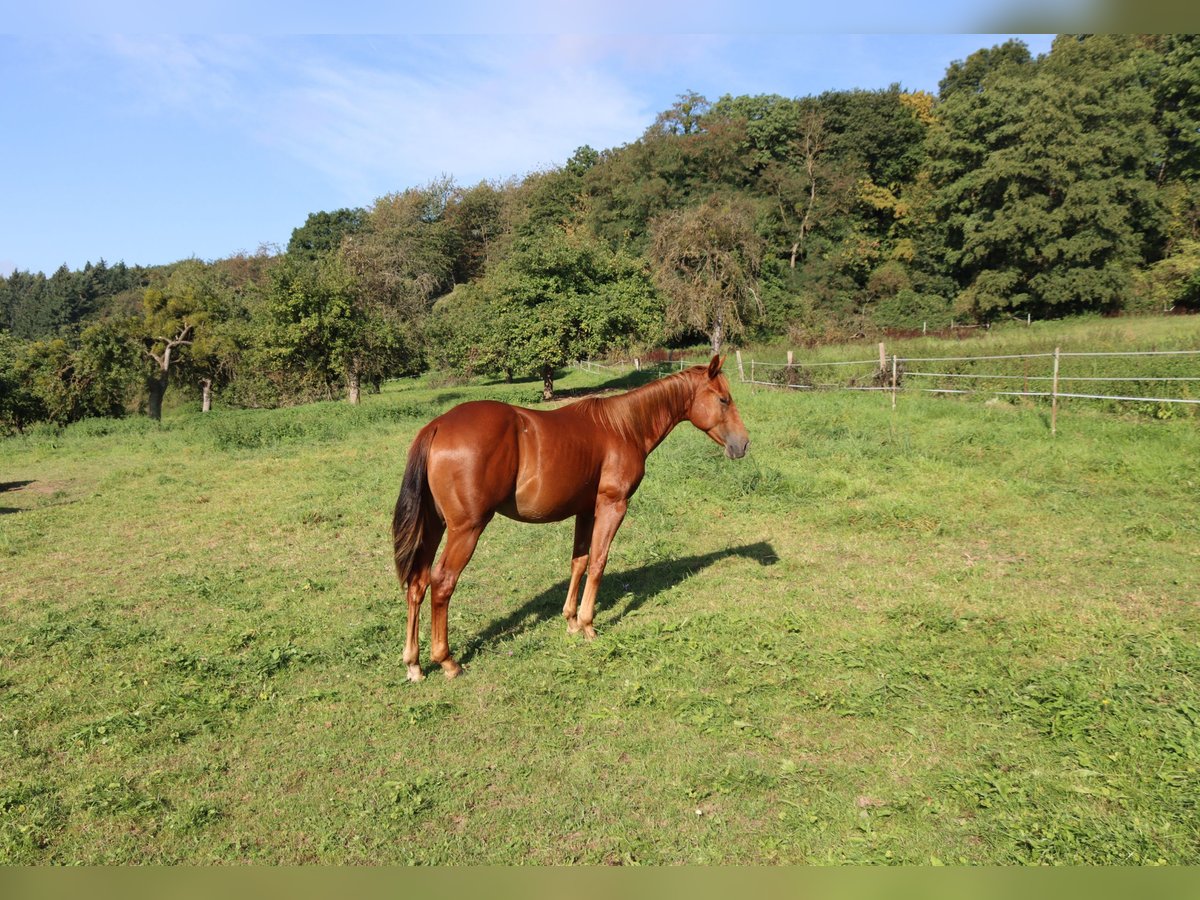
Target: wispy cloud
381	113
162	73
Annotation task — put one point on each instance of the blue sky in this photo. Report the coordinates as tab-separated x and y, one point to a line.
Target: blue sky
150	148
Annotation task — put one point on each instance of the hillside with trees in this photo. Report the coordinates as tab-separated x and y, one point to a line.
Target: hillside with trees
1051	186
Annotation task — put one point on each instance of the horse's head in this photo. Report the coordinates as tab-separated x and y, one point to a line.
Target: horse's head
713	411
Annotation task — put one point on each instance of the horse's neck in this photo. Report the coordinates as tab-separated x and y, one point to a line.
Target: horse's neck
648	414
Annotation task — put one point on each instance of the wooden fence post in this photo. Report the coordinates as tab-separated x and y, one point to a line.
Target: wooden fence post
893	381
1054	397
789	359
741	371
882	358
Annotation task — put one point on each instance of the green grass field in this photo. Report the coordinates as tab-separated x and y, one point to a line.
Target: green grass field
934	635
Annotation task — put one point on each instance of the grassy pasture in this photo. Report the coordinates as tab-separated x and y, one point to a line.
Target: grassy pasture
930	635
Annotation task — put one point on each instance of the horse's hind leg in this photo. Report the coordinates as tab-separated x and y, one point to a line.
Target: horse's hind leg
460	544
417	586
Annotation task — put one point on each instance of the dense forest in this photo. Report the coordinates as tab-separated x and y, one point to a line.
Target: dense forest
1050	186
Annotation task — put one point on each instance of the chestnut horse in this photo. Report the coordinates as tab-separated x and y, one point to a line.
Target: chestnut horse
584	460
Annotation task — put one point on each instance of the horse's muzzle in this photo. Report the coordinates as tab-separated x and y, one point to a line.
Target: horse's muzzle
735	447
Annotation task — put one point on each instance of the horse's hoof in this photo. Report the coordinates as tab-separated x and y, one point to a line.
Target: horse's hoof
414	674
589	633
452	669
573	626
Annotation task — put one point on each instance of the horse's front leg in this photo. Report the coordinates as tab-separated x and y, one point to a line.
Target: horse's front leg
579	561
610	512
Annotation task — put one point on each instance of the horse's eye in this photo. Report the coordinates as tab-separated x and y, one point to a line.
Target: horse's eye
725	401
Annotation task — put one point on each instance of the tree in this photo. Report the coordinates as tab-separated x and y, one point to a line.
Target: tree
389	272
706	261
1173	281
805	189
323	232
877	132
18	404
1170	66
406	250
62	381
323	332
169	323
459	334
1042	181
106	370
770	124
690	151
684	117
29	313
34	306
480	217
970	74
557	297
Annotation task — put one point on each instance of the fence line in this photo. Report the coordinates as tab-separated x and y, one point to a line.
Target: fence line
1050	377
1049	394
808	365
817	387
1137	353
973	358
898	375
673	365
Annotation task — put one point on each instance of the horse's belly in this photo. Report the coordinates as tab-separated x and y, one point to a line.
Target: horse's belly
532	516
543	506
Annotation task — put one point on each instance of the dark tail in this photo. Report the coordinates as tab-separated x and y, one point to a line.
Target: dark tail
408	522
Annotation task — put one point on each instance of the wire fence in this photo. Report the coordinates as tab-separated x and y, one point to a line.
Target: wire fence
1053	376
1159	377
635	364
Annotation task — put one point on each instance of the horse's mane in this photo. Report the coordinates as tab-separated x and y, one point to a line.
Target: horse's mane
645	410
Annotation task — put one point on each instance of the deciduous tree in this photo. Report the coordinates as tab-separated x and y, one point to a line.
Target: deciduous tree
1043	184
171	316
557	297
706	262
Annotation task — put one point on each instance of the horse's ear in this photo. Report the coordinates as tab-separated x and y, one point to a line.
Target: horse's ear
714	365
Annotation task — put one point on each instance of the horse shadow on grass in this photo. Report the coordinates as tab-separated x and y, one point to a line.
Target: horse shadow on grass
6	486
638	586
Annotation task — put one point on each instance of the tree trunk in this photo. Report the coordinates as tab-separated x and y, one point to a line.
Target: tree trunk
157	386
814	144
718	333
205	394
547	382
158	383
352	385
